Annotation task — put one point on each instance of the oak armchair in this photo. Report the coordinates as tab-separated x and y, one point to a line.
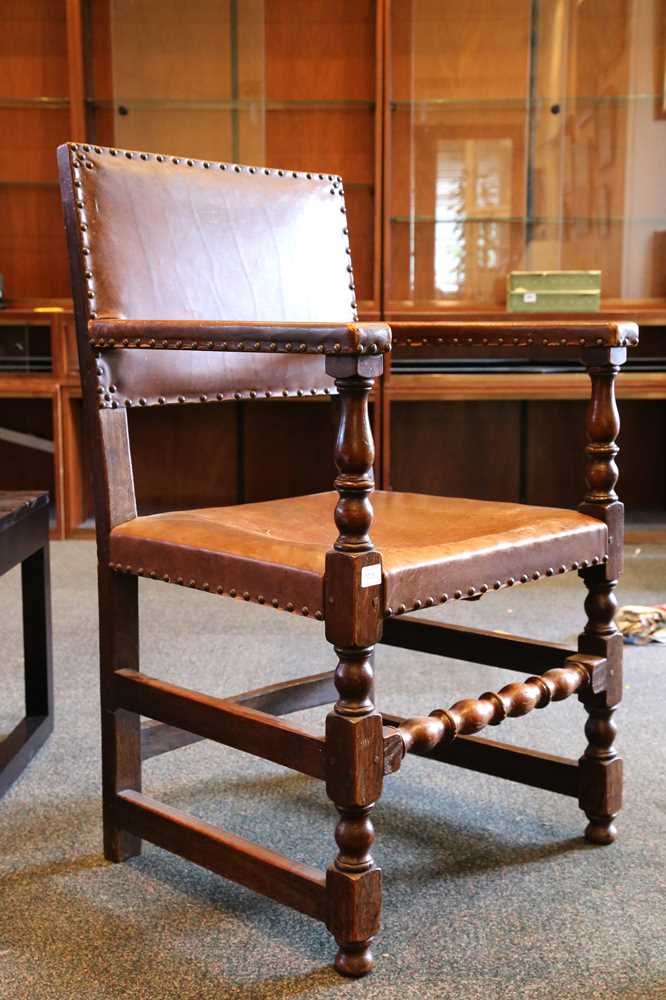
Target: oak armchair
196	282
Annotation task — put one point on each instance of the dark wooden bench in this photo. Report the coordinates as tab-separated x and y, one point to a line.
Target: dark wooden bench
24	538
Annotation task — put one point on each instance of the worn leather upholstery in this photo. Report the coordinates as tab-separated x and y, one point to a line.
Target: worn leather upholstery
274	552
168	238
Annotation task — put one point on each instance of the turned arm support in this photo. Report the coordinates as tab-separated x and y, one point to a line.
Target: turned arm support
471	715
354	449
345	339
573	335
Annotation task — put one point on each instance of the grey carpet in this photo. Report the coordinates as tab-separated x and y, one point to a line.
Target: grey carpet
489	889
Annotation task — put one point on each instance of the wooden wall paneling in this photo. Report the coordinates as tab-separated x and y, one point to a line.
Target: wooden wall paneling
323	93
33	49
642	482
555	454
78	506
32	242
75	68
288	448
432	445
184	456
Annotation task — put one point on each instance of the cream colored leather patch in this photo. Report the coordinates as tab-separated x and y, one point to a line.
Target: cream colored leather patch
371	576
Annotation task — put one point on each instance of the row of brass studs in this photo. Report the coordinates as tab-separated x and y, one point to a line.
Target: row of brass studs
429	602
207	164
231	592
627	341
77	162
256	347
106	401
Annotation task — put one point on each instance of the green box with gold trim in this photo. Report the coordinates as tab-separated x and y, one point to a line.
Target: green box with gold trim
553	291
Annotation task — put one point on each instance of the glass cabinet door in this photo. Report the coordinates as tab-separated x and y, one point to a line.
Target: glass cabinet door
282	83
524	135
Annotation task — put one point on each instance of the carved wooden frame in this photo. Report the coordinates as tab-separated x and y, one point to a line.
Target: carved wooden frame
360	745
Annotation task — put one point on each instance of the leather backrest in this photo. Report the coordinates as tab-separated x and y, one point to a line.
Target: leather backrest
158	237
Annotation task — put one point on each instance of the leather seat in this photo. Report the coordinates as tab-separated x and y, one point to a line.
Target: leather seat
433	548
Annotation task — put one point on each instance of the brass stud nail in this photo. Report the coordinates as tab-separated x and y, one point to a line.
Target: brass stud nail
471	591
233	592
193	583
510	582
203	398
417	605
220	590
153	574
458	594
205	586
484	588
305	611
550	571
497	585
429	602
161	400
142	401
536	575
246	595
575	565
220	396
179	580
562	569
443	598
166	578
275	602
401	609
524	578
181	399
289	606
318	615
595	560
260	599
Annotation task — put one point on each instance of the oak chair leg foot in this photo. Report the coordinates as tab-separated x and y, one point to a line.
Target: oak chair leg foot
119	845
355	959
600	831
600	788
601	777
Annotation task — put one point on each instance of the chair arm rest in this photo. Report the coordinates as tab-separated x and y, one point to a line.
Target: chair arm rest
281	338
516	334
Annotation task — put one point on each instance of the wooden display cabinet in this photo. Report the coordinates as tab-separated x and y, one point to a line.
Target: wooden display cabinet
473	140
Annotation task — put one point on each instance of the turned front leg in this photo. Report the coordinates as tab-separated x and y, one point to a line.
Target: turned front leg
354	744
600	790
354	738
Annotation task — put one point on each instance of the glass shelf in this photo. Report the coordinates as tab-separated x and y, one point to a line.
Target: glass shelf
38	103
28	184
158	104
525	136
563	102
526	220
